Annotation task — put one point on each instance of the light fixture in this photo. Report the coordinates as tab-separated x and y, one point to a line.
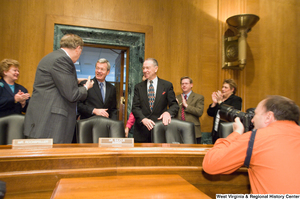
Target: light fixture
235	44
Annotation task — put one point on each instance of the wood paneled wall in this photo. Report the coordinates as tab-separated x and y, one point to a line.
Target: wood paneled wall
186	40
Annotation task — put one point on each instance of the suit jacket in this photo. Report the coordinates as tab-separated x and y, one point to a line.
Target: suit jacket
51	112
7	99
165	97
193	111
95	100
234	101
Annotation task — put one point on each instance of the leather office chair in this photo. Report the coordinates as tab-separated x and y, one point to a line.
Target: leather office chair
89	130
225	128
11	127
177	131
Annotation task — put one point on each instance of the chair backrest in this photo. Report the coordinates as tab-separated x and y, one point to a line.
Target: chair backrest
11	127
225	128
89	130
177	131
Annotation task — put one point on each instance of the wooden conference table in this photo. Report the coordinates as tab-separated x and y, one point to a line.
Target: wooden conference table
127	187
34	173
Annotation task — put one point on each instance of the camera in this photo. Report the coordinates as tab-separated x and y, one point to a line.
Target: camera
229	113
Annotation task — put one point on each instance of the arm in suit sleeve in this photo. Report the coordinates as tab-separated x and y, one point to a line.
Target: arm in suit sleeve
197	108
136	105
64	76
212	111
82	108
173	105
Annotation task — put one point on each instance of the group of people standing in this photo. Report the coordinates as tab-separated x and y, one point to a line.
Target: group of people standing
58	97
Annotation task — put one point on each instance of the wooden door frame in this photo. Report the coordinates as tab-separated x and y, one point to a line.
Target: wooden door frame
52	20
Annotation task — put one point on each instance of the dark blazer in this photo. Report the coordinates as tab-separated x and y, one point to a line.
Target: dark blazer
51	112
7	99
94	100
193	111
234	101
165	97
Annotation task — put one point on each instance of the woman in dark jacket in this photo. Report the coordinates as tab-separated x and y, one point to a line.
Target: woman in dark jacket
226	96
13	97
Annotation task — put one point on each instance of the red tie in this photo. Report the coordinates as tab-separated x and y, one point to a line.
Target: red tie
182	110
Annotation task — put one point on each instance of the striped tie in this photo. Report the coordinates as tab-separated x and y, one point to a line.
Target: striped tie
151	96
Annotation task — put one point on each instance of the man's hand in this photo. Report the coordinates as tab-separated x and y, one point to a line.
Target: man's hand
148	123
89	83
166	118
101	111
238	126
184	103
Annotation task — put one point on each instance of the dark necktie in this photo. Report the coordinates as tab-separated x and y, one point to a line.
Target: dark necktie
151	96
102	91
182	110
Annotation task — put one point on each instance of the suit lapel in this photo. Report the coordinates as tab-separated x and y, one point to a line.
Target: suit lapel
191	97
159	93
144	94
107	93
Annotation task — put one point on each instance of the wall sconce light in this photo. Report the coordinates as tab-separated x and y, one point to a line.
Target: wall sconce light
235	44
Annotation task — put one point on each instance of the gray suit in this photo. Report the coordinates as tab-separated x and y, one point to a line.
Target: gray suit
52	109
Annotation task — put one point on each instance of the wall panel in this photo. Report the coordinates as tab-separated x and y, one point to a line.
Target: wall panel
186	40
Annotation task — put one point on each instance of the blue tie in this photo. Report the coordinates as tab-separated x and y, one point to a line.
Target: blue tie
102	91
151	96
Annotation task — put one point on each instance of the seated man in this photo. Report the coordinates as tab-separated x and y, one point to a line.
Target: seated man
274	165
101	99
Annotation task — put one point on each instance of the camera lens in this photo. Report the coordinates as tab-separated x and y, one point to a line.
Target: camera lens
228	113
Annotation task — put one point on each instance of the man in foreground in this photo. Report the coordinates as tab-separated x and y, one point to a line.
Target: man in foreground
274	165
52	109
150	102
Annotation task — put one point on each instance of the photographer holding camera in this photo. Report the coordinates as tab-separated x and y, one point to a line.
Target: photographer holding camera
273	157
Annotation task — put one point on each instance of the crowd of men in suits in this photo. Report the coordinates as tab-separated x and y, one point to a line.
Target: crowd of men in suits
57	97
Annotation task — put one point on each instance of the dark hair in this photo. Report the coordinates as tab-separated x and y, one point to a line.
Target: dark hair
155	63
71	41
186	77
231	83
282	107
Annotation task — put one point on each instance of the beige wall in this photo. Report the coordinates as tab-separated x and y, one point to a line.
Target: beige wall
186	40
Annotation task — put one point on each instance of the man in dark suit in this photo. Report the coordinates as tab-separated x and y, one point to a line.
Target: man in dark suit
94	103
51	112
150	102
191	105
